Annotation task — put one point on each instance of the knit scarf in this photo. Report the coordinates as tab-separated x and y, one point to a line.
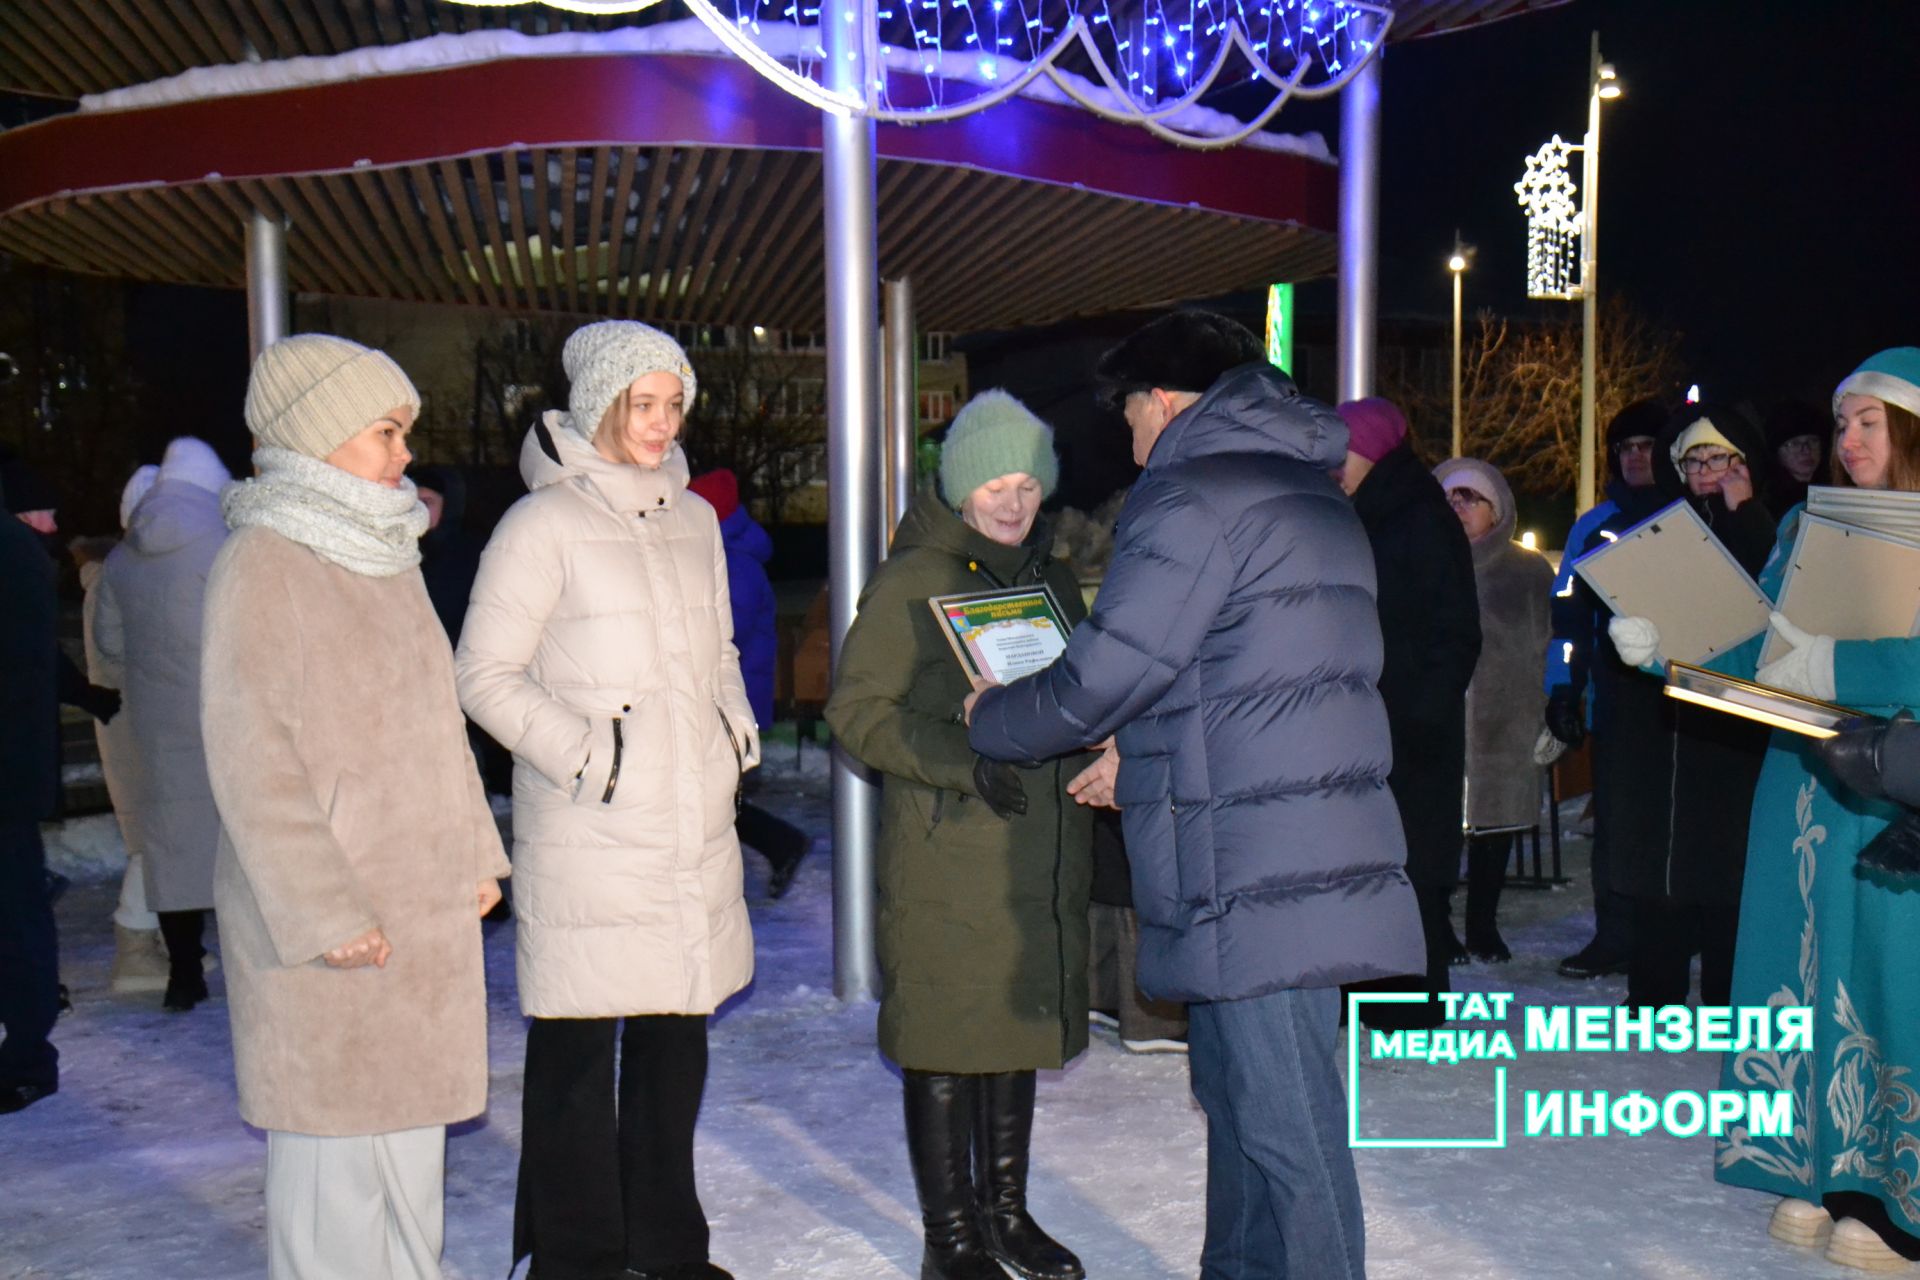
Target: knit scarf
359	525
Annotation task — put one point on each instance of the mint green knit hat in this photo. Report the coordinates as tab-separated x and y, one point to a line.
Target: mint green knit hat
993	436
1892	376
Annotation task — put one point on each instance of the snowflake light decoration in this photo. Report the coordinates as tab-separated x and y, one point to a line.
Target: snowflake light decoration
1555	222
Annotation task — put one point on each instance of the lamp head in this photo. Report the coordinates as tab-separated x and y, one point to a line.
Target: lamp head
1607	82
1457	263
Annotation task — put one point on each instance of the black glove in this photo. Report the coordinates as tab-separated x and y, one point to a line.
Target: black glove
1854	756
999	785
1564	720
1895	851
101	703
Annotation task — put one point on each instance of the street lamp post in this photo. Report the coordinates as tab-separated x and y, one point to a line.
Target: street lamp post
1457	264
1603	83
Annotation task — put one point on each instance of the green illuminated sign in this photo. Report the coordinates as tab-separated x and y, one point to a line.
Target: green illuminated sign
1280	327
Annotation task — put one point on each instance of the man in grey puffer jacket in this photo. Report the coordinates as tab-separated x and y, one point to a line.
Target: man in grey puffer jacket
1233	652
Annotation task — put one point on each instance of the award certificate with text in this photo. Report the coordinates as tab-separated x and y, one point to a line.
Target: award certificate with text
1002	635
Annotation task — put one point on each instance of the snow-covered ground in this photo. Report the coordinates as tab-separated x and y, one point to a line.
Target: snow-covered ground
140	1166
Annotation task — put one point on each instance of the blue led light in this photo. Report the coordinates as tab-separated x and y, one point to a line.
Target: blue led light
1160	51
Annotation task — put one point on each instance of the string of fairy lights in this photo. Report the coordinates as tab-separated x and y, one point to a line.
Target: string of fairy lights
1141	61
1156	54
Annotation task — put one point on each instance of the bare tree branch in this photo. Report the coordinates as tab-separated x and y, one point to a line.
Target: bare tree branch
1520	392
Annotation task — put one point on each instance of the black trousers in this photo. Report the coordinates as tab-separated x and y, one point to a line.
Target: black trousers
1665	935
606	1173
778	841
1612	909
29	960
185	933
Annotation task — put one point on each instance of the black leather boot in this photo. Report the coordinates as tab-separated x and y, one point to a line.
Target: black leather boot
186	979
1486	876
940	1122
1001	1142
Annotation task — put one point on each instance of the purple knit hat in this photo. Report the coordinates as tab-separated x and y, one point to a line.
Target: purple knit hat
1375	427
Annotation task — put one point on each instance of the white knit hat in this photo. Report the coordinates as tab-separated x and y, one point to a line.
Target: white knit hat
604	359
138	483
313	392
193	460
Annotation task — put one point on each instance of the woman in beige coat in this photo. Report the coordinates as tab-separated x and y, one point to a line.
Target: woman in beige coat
357	852
598	648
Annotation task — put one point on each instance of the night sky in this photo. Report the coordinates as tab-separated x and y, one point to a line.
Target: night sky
1760	179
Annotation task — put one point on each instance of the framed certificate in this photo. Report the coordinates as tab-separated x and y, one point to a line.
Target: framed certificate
1770	706
1822	591
1003	635
1671	569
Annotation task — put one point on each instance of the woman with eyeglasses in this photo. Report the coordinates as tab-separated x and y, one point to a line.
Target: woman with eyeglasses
1506	706
1820	928
1677	812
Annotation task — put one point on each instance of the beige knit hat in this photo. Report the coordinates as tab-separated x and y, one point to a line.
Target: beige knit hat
604	359
313	392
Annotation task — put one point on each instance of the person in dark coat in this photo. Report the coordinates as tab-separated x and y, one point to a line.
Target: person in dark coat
1430	624
36	506
748	548
449	562
1684	776
1797	436
1233	652
1580	654
29	760
982	868
449	553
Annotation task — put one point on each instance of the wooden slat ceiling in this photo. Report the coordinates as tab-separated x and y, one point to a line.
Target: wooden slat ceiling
64	48
693	234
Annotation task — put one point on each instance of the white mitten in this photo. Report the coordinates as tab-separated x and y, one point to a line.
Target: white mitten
1808	670
1547	748
1636	639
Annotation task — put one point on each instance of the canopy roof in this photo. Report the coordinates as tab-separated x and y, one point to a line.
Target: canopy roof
659	186
69	47
662	185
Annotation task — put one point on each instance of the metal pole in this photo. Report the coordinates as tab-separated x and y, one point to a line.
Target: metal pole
1589	274
903	418
1457	449
853	434
266	282
1359	229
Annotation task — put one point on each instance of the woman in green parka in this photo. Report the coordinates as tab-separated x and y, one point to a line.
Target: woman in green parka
983	868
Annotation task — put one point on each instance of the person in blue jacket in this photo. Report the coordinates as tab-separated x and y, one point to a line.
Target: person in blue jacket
1579	657
748	548
1234	652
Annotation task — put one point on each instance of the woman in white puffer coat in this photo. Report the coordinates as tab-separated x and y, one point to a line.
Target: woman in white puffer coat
598	648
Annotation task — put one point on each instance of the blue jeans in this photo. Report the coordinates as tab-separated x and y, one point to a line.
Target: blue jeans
1282	1198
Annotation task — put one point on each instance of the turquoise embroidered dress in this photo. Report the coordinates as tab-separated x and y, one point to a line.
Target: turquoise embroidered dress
1816	929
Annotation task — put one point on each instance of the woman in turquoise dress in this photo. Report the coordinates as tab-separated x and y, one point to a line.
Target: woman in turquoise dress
1816	929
